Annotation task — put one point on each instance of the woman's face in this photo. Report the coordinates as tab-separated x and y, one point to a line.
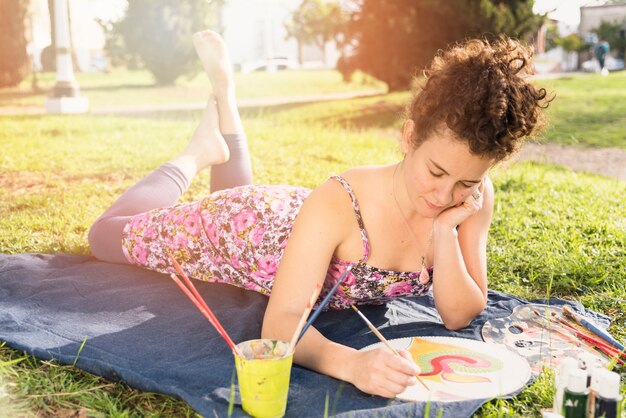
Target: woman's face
441	172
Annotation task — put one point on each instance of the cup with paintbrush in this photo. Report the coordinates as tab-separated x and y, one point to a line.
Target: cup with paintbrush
263	372
263	365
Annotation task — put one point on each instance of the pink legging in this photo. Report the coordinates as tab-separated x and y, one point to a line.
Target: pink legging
161	188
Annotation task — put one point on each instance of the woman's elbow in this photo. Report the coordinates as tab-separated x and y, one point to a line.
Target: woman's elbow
455	325
266	328
271	327
265	333
460	320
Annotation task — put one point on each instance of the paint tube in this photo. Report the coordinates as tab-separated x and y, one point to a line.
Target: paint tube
607	396
588	362
575	395
596	377
560	381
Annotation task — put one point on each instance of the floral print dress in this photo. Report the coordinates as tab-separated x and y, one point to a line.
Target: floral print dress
237	236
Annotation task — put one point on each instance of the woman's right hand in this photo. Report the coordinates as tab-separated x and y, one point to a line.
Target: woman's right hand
380	372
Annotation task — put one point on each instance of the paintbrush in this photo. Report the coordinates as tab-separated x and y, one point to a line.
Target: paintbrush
325	301
591	327
196	299
571	333
584	333
383	339
305	314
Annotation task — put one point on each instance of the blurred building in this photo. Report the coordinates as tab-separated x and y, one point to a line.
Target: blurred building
592	16
550	58
555	59
255	34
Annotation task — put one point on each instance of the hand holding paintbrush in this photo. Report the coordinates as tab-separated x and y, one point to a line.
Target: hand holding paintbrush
384	340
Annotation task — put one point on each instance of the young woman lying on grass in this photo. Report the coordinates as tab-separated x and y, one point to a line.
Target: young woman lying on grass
408	227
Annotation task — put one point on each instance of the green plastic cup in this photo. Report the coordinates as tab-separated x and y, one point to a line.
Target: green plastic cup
263	372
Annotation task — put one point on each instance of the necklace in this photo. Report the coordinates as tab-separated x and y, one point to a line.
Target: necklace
424	276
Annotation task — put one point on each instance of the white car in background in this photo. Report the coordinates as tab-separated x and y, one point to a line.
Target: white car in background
611	64
269	64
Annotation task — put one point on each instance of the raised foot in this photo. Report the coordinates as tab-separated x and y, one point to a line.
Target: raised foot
213	54
207	146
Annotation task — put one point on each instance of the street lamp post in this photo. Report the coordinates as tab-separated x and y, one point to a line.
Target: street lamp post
65	96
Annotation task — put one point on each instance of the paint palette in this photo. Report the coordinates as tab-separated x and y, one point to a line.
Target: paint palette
523	332
457	369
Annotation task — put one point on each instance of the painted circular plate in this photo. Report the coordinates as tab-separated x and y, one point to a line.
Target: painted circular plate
457	369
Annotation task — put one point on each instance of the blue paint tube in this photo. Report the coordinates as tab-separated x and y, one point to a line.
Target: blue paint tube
607	402
575	395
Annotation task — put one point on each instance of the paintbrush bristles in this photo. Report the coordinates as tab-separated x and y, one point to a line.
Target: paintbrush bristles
593	328
565	328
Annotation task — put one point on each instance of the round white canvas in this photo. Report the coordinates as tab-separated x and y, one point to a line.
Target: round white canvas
457	369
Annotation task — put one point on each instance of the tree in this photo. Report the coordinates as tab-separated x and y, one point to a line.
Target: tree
392	39
14	60
315	22
159	31
571	43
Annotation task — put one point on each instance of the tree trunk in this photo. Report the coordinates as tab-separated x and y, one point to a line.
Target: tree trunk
14	59
300	58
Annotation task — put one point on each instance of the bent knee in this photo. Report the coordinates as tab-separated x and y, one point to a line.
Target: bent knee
105	240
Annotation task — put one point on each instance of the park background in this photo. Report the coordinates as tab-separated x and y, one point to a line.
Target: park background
558	230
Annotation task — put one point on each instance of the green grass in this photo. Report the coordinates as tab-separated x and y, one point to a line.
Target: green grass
589	109
137	87
554	231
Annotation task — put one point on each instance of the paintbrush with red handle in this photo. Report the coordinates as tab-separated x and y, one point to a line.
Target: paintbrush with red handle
196	299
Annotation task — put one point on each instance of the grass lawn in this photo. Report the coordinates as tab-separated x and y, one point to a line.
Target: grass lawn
589	109
555	232
137	87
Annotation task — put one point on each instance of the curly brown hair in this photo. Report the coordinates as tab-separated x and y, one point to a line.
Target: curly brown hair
479	90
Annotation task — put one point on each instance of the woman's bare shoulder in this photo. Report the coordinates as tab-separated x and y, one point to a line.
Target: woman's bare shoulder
367	176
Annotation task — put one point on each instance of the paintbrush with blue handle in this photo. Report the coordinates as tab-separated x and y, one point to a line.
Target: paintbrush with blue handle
325	301
591	327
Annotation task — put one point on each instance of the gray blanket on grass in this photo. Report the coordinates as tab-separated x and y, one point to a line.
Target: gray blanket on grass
138	327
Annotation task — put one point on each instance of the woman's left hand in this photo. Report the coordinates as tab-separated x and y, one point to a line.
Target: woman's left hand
454	216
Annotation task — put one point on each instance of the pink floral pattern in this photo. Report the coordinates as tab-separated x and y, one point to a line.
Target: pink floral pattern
237	236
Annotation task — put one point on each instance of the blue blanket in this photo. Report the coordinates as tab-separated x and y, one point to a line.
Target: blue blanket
140	328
